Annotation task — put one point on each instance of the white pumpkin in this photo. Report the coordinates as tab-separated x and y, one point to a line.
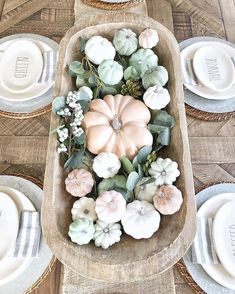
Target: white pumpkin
145	192
148	38
156	97
106	234
141	219
165	171
110	206
98	49
84	208
110	72
106	165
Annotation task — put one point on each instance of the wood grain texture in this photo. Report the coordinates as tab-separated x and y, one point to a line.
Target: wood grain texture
53	21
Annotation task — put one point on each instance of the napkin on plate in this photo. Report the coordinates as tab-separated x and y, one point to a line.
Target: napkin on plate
28	239
49	68
202	249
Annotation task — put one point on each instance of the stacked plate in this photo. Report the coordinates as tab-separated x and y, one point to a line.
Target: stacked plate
208	66
217	203
18	274
27	72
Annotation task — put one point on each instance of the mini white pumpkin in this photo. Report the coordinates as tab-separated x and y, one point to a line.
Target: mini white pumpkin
165	171
84	208
106	165
148	38
106	234
156	97
155	76
85	93
98	49
168	199
110	72
125	42
81	231
141	219
110	206
145	192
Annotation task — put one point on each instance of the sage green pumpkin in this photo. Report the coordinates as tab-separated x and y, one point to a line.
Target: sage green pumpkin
155	76
81	231
131	73
143	59
110	72
125	42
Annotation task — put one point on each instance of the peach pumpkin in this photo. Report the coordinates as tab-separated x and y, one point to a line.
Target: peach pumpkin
117	124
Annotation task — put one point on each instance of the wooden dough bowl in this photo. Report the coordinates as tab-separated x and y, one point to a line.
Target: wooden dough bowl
130	259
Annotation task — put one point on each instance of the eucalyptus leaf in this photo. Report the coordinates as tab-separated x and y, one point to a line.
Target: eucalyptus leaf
156	128
76	68
80	81
124	192
135	162
108	90
164	137
75	161
143	154
84	104
162	118
149	181
140	172
58	103
118	181
127	165
131	73
84	95
132	181
80	140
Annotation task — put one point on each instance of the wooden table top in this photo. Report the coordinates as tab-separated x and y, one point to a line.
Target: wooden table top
212	144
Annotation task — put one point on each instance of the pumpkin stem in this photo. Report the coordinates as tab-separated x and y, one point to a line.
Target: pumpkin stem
116	123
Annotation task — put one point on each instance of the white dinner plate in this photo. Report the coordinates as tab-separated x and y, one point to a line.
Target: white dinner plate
209	210
200	90
224	236
214	68
34	91
9	224
21	66
11	267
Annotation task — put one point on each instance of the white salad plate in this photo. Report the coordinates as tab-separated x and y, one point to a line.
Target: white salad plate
9	224
224	236
31	88
209	210
11	267
201	90
214	68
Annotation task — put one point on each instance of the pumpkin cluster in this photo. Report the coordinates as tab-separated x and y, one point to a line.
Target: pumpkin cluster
112	128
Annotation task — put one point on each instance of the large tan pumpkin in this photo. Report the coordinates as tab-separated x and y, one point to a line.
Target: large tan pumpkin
117	124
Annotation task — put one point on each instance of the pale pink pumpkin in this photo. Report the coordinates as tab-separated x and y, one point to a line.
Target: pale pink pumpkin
168	199
79	182
148	38
110	206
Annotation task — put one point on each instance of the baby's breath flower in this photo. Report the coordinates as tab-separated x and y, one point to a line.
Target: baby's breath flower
61	148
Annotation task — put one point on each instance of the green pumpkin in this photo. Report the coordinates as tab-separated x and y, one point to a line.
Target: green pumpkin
131	73
81	231
125	42
110	72
143	59
155	76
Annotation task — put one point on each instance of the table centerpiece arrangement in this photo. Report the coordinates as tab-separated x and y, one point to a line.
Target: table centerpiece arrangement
110	134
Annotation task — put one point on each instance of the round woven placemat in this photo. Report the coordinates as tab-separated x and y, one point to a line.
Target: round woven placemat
111	6
19	115
208	116
53	260
181	265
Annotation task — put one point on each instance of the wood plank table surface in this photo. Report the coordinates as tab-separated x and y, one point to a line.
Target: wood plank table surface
212	144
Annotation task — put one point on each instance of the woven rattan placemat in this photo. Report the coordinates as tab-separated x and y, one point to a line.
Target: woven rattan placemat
111	6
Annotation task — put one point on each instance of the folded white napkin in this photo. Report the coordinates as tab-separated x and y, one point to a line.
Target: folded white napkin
202	249
28	239
49	68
